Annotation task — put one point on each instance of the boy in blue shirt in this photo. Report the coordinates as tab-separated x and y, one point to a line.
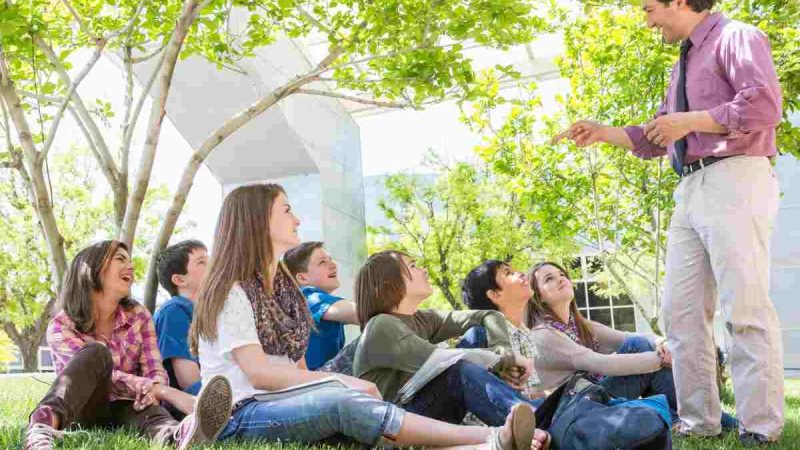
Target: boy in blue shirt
181	269
316	273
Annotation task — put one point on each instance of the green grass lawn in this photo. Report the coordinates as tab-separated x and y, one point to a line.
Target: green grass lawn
18	396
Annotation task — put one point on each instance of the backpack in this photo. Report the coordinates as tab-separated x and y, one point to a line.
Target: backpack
578	416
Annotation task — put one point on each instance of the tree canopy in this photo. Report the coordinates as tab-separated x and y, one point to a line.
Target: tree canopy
601	200
396	53
452	221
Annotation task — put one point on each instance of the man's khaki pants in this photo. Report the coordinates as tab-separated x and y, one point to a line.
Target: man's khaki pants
719	240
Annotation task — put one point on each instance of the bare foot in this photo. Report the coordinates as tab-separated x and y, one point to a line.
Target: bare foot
540	438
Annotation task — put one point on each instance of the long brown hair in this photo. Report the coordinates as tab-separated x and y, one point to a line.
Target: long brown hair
380	284
242	248
538	308
83	277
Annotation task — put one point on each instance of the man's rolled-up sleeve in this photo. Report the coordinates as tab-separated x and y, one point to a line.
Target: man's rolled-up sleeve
746	58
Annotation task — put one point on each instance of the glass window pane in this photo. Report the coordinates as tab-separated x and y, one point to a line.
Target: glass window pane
602	315
580	294
624	319
596	300
622	299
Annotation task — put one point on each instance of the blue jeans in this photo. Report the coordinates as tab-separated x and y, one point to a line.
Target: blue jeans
475	337
646	384
328	412
467	387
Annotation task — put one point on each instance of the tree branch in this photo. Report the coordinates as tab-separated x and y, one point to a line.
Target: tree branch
313	20
6	127
129	26
81	23
633	270
384	56
365	101
108	171
158	111
16	157
102	148
206	147
73	87
126	139
149	56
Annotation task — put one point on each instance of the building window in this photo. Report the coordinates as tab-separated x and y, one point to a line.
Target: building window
617	313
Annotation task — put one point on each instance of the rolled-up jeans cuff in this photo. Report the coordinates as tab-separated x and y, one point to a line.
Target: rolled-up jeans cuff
390	429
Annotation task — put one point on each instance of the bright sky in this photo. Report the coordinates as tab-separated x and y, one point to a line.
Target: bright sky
398	140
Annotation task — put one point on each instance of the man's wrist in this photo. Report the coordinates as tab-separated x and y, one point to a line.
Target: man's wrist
605	133
702	122
690	121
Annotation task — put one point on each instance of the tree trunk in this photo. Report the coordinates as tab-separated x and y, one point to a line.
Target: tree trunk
157	113
120	202
43	204
30	354
28	342
451	298
652	319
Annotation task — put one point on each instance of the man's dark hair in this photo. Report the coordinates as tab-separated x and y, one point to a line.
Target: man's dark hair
297	258
696	5
478	281
175	260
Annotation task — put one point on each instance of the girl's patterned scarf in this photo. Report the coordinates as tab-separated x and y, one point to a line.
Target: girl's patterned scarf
571	330
282	319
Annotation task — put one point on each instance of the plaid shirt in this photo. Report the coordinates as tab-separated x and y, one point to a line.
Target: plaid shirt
133	346
522	344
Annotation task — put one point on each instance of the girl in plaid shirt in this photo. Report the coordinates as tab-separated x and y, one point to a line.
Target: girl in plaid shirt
108	365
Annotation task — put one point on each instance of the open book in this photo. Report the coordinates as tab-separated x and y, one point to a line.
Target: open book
439	361
299	389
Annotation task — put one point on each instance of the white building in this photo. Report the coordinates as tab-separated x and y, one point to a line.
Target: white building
308	144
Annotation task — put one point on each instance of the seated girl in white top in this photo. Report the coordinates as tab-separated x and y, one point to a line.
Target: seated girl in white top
252	325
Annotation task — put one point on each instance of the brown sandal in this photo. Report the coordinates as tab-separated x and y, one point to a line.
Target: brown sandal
523	426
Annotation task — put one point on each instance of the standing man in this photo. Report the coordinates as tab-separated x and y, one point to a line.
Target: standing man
717	125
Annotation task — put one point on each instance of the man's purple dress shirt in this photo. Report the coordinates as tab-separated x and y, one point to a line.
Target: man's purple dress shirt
731	75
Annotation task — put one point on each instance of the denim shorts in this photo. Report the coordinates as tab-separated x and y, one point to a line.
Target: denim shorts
317	415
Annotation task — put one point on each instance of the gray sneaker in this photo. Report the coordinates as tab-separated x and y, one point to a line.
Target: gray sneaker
212	411
41	436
